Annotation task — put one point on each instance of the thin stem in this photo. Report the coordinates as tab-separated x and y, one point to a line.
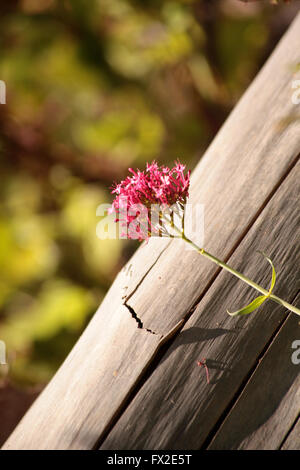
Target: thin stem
237	274
226	267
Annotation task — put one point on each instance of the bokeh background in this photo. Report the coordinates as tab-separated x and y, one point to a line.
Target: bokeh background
93	87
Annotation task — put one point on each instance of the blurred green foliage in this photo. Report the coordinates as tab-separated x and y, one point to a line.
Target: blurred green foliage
92	88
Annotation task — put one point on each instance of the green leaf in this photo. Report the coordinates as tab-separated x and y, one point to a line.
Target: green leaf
260	299
249	308
273	272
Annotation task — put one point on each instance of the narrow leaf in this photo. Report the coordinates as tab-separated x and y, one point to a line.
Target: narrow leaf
273	271
249	308
259	300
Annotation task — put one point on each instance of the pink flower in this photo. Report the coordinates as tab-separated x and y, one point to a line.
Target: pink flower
136	195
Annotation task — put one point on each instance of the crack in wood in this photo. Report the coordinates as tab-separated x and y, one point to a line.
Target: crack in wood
159	351
138	320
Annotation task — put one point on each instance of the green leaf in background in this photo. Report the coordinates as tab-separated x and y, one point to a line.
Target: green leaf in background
60	304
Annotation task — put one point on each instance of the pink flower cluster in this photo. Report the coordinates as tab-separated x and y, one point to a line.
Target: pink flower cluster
157	185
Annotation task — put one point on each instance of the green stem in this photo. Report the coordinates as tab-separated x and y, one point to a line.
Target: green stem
240	276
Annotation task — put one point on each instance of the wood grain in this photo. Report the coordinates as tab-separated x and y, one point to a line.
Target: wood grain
176	408
234	180
270	402
293	440
84	394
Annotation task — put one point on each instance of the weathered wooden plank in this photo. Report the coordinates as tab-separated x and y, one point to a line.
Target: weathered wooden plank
176	408
293	440
80	400
92	384
232	181
270	402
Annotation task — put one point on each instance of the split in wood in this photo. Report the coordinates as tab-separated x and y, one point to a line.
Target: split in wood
138	320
